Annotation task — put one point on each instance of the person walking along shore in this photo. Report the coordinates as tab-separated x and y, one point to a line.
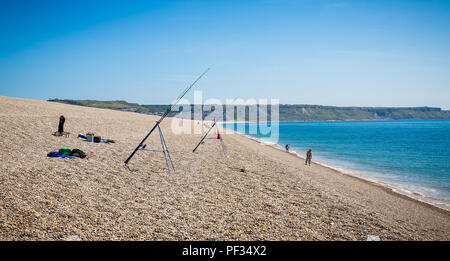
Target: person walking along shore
308	157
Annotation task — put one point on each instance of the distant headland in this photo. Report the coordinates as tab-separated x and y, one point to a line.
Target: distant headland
288	113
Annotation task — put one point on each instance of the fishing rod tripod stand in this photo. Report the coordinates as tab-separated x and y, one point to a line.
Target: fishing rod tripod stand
218	137
163	149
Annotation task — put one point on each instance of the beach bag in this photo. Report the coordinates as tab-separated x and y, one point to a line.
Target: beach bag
61	124
97	139
90	137
65	151
58	155
78	153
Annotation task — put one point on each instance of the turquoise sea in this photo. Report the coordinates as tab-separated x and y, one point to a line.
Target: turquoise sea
411	157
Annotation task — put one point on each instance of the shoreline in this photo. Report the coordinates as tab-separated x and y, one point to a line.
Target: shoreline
386	186
317	121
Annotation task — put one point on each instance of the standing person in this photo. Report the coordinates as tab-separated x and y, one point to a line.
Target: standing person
308	157
287	147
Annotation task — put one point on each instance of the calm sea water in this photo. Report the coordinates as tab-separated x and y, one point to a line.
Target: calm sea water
413	155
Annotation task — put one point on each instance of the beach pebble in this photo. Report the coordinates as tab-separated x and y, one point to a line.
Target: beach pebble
72	238
373	238
27	232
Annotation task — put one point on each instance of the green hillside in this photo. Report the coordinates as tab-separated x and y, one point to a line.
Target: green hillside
287	112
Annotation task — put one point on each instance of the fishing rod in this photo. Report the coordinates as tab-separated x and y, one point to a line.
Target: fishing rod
204	136
165	115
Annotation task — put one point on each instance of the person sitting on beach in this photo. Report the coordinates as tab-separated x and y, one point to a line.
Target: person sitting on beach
287	147
308	157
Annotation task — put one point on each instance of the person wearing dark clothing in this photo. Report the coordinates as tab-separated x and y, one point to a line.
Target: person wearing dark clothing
308	157
61	124
287	147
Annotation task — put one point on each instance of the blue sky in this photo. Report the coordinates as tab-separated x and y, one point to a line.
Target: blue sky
345	53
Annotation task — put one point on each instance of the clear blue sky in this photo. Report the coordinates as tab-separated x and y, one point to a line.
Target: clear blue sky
330	52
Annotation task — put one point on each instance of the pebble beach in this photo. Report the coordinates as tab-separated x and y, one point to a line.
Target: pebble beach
256	192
